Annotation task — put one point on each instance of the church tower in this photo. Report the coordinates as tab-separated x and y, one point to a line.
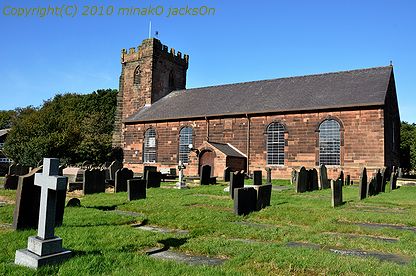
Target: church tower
148	73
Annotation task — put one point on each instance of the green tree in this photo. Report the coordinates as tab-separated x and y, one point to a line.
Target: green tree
408	145
6	118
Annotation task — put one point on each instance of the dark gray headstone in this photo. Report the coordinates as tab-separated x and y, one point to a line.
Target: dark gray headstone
121	179
205	178
341	177
385	174
348	180
113	168
136	189
148	168
236	181
11	181
244	201
393	180
269	175
379	182
227	172
323	177
302	180
264	193
363	184
336	188
312	180
257	178
153	179
93	181
74	202
372	187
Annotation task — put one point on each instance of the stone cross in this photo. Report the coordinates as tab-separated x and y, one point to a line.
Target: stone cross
181	184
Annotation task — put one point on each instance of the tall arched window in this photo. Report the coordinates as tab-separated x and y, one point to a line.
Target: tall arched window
330	143
185	139
149	146
137	74
275	144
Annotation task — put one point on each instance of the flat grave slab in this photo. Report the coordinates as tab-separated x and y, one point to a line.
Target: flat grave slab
127	213
402	260
212	196
186	258
255	224
161	229
212	207
384	225
357	236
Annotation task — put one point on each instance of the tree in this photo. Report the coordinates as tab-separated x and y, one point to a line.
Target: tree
6	117
408	145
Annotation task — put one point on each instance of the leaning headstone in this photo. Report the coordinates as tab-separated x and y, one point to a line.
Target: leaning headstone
121	179
114	166
269	175
257	178
244	201
236	181
74	202
336	188
363	184
136	189
323	177
11	181
45	248
148	168
205	175
302	181
379	182
263	194
227	172
153	179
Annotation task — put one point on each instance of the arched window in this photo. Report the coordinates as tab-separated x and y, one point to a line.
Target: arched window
137	74
185	139
149	146
329	143
275	144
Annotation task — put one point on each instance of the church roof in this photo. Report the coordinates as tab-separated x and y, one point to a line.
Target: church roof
345	89
227	149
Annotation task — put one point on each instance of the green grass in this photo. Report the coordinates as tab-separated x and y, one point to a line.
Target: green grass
104	243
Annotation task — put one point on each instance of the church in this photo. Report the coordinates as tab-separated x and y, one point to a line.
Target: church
344	120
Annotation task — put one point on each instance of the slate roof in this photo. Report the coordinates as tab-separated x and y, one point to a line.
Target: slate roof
355	88
227	149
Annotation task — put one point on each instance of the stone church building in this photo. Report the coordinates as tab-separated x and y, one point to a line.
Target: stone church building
345	120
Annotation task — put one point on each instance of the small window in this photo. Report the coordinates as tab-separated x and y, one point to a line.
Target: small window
149	146
137	74
275	144
329	143
185	139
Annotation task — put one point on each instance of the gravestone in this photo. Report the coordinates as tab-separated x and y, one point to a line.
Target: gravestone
379	182
45	248
153	179
244	201
294	176
148	168
263	194
312	180
205	175
11	181
269	175
336	188
341	177
113	168
301	181
372	186
227	173
323	177
363	184
181	183
257	178
385	176
93	181
393	180
26	211
121	179
236	181
74	202
348	180
136	189
400	173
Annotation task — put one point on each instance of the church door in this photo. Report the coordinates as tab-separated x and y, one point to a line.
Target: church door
206	157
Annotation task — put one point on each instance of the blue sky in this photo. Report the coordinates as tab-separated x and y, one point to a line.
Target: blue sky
243	41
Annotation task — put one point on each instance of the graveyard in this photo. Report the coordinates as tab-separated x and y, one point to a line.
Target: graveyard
195	231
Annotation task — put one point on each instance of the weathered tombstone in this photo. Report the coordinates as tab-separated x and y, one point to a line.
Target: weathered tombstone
136	189
372	187
153	179
227	172
45	248
12	169
181	183
11	181
257	178
336	188
114	166
121	179
269	175
363	184
263	194
341	177
379	182
205	175
400	173
393	180
323	177
385	174
148	168
348	180
313	180
93	181
74	202
294	177
301	181
244	201
236	181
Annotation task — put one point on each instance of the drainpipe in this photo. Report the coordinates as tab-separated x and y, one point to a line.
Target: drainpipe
206	120
248	144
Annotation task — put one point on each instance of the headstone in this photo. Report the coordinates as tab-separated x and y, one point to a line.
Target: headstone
257	178
379	182
74	174
313	180
236	181
136	189
26	212
294	176
113	168
323	177
121	179
74	202
341	177
205	175
348	180
227	172
244	200
302	181
400	173
336	188
45	248
372	187
181	183
263	194
11	181
385	174
269	175
94	181
153	179
363	184
148	168
393	180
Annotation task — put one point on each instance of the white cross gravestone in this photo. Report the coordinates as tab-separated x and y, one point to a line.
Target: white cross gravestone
45	248
181	184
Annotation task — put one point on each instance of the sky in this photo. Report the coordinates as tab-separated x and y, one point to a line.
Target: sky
242	41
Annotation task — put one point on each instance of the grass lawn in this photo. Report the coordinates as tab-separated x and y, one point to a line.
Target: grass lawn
105	242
